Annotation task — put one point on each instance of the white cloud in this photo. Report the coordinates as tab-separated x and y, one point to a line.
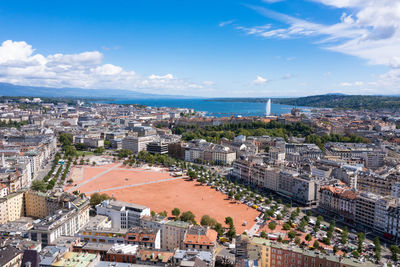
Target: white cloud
225	23
160	77
272	1
260	80
369	29
19	64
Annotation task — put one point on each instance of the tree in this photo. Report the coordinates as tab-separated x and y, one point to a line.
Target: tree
302	225
229	220
231	232
107	143
326	240
192	174
163	213
272	226
355	254
175	212
65	139
153	213
263	234
219	229
309	213
316	244
361	238
206	220
80	146
378	248
123	153
188	216
395	250
280	239
297	240
345	235
308	238
292	234
97	198
99	150
69	150
286	227
39	185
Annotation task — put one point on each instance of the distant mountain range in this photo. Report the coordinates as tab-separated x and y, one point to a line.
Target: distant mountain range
7	89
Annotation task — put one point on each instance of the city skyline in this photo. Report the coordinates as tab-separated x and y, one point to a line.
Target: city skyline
254	48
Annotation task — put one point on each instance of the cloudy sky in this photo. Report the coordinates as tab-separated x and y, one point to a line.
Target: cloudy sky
216	48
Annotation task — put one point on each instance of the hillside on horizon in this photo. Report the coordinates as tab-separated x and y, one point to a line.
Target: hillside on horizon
8	89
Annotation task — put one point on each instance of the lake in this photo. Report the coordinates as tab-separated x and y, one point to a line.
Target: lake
213	108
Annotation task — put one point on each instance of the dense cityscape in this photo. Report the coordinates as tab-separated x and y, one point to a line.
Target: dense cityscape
125	185
229	133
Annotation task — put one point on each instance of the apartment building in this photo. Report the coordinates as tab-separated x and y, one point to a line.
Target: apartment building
285	255
35	204
144	130
375	160
379	184
242	170
64	222
255	250
365	209
98	230
348	150
200	238
297	152
173	232
3	190
340	201
12	207
144	237
176	150
393	222
305	190
10	256
122	214
262	252
200	150
136	144
157	148
285	185
381	213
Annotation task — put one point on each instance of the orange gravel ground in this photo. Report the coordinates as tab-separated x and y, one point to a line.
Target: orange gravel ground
182	194
120	177
88	173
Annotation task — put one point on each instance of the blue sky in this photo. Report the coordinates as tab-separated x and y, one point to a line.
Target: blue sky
219	48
